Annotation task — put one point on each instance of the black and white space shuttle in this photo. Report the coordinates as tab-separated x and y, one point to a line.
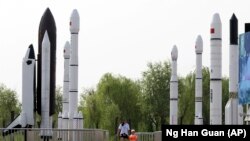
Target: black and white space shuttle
26	118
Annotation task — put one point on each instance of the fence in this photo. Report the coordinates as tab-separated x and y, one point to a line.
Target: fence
149	136
37	134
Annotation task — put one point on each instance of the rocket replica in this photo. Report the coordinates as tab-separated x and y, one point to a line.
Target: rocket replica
215	71
174	89
231	108
73	67
198	81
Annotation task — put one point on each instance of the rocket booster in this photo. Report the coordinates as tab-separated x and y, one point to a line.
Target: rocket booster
215	71
47	23
198	81
174	88
45	89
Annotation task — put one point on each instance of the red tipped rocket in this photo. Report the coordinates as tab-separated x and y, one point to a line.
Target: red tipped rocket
215	71
73	68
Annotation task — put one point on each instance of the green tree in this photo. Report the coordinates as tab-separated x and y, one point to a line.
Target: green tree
206	95
8	103
156	90
116	97
186	99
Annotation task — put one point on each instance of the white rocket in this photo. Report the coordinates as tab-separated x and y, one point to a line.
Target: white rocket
46	120
215	71
198	81
65	102
26	118
73	72
174	88
231	108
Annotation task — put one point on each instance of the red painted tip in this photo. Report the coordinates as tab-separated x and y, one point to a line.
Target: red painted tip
212	30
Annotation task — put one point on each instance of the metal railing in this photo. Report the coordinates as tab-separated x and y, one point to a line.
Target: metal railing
149	136
37	134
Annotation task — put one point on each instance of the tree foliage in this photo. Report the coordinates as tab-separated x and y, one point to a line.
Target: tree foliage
8	103
145	102
156	91
116	97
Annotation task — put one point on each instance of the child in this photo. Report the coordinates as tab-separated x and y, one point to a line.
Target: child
133	136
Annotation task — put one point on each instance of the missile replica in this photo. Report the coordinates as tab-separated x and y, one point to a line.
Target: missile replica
73	68
47	23
231	108
174	89
26	118
215	71
198	81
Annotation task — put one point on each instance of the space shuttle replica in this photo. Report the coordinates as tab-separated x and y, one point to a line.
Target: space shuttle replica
39	89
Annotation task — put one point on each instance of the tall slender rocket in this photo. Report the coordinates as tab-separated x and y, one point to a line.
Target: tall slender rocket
198	81
73	68
47	23
66	55
215	71
174	88
231	109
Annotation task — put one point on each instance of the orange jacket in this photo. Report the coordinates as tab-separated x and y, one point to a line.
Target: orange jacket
132	137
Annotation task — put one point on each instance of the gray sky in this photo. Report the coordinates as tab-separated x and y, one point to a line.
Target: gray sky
116	36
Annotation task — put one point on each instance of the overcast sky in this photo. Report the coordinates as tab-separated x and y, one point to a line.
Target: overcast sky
117	36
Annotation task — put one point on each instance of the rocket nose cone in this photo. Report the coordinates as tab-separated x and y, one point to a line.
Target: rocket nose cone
47	11
74	22
47	23
199	44
66	51
174	53
216	18
31	52
234	18
233	30
215	29
47	16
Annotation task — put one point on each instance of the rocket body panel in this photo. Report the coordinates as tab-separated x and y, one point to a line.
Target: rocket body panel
215	72
215	102
233	65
